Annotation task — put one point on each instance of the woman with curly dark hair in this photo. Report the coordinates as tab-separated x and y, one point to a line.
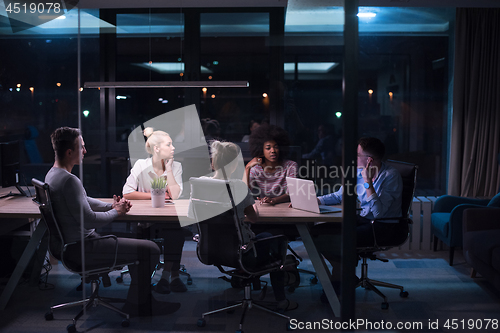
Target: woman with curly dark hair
266	173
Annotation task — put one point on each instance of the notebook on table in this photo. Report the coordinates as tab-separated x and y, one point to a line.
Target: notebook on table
303	196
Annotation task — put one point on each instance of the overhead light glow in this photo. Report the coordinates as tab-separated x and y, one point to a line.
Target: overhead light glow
58	84
264	95
18	89
204	89
310	67
164	101
338	114
160	99
168	67
370	91
121	97
367	15
86	113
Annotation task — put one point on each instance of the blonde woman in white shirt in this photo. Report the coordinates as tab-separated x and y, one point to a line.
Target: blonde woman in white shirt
161	164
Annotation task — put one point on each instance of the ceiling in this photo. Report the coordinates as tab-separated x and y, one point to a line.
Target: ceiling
312	17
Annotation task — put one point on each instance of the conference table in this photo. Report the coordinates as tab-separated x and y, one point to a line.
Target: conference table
12	208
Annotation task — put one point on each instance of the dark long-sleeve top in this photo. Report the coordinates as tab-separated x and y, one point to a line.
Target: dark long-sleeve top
70	202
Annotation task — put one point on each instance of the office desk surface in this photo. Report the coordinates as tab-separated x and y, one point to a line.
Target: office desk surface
281	213
23	207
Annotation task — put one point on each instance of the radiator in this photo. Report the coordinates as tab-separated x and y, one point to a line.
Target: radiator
420	231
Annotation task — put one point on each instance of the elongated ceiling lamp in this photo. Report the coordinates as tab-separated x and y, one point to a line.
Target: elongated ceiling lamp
167	84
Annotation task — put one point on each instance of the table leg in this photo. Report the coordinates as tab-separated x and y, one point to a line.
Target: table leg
22	264
320	267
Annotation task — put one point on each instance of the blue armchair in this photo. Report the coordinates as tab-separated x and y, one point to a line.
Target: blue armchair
446	219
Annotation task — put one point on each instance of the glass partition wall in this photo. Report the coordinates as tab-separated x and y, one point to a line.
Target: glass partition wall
405	57
292	60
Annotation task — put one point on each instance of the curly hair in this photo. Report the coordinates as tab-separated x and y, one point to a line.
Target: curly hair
264	133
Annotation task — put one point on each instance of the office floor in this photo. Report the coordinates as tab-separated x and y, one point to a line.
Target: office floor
437	292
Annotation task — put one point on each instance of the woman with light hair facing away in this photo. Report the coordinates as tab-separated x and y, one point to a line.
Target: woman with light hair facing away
225	157
138	187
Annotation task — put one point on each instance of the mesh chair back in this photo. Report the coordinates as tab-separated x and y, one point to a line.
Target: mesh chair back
42	199
408	173
218	225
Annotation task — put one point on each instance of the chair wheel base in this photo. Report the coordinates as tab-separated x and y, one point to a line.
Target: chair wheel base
201	322
403	294
125	323
71	328
385	306
49	316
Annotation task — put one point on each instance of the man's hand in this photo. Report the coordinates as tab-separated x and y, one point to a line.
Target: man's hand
116	200
367	172
122	206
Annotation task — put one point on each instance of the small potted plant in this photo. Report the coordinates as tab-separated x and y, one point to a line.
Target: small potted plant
158	189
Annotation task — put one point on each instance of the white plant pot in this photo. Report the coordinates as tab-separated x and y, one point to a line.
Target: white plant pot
158	198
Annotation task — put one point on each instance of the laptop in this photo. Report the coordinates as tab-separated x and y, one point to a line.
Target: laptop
303	196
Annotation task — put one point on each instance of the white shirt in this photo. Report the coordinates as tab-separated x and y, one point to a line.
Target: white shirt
143	173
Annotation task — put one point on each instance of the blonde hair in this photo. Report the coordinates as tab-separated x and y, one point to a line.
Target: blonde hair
154	138
223	153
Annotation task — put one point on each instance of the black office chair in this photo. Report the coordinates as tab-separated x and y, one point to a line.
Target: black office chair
221	241
408	173
58	248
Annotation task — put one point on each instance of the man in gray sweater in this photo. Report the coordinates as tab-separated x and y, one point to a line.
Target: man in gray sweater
71	203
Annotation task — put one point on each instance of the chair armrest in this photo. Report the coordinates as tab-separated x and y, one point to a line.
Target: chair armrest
400	219
405	221
281	242
446	203
89	240
476	219
456	221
